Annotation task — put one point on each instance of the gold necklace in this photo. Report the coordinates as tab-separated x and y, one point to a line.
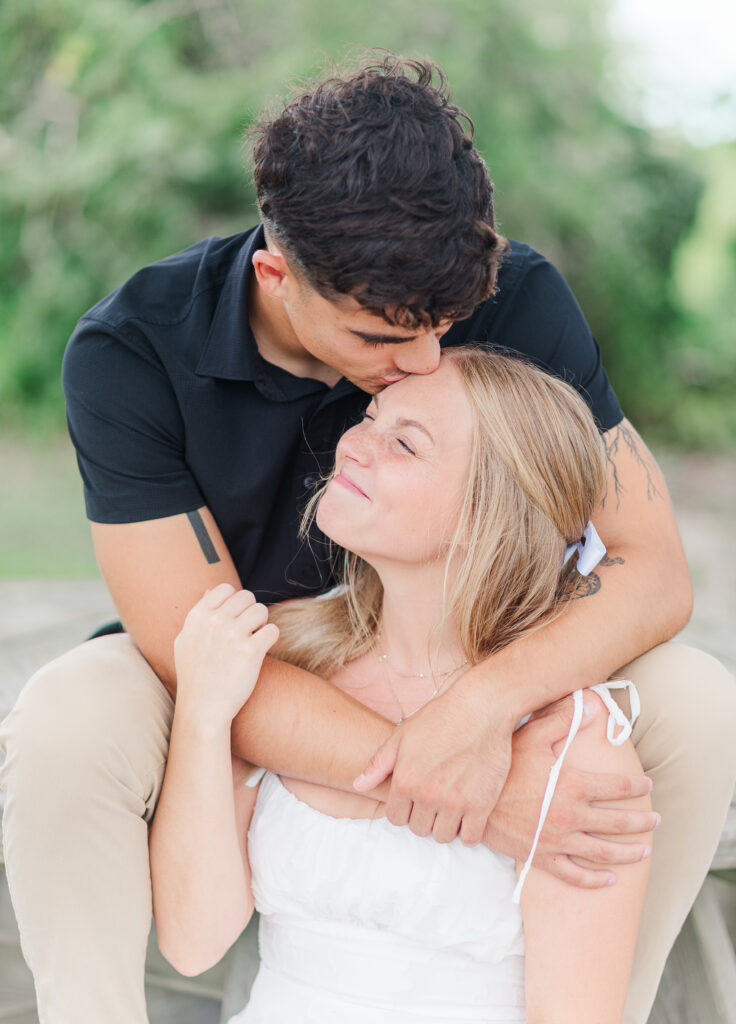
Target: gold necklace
385	664
417	675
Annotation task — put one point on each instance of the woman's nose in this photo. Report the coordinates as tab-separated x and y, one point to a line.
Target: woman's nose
355	444
422	355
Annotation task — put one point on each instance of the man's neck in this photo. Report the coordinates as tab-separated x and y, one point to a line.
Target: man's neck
276	340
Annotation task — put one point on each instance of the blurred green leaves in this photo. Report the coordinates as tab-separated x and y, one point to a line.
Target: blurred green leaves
120	125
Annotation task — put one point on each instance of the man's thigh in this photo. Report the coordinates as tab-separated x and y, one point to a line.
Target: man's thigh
99	704
86	746
684	738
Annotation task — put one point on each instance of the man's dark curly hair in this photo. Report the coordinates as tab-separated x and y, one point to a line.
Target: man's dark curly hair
370	184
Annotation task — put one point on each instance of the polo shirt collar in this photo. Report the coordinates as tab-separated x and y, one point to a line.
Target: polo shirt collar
230	351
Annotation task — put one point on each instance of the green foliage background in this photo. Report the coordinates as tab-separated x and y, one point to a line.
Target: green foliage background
120	125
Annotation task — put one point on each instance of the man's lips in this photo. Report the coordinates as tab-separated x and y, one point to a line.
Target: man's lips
346	482
393	380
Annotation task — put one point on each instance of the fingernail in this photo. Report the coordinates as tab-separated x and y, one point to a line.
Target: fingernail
651	785
611	880
646	853
359	781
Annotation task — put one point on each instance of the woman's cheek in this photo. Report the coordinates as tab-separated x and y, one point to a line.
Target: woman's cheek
329	515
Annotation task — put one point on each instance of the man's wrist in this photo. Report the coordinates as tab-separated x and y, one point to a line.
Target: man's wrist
492	693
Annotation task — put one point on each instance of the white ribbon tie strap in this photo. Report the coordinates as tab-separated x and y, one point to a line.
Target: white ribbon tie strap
590	549
616	717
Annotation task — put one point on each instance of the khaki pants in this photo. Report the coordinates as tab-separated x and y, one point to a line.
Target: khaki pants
86	747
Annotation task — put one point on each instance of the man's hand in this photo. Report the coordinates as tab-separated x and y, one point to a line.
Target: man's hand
449	763
451	777
571	846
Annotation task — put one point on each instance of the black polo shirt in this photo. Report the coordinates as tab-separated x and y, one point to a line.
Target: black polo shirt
171	407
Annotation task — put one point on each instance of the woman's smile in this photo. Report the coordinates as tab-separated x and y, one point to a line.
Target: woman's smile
349	484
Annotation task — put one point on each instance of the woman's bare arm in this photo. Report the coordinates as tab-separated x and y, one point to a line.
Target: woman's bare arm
579	943
200	874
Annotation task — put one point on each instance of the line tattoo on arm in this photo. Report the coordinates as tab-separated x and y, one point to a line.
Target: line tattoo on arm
205	541
623	439
617	560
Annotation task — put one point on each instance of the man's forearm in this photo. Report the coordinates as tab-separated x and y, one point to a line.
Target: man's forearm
301	726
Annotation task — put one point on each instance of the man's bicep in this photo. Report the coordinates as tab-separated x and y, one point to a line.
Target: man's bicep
635	502
155	571
637	523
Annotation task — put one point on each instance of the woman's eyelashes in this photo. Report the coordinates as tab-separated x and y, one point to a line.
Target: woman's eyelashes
399	440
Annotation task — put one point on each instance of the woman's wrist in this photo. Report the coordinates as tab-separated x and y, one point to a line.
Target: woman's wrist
200	723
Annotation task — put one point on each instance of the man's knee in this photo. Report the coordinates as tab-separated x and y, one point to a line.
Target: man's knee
100	695
688	702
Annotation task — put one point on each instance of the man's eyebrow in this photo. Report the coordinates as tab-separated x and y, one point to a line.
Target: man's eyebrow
401	421
381	339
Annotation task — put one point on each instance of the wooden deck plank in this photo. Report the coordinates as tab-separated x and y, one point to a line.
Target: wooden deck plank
716	951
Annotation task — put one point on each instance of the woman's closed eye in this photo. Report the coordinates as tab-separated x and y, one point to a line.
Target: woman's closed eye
404	444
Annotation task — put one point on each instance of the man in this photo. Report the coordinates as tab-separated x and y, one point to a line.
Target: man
205	398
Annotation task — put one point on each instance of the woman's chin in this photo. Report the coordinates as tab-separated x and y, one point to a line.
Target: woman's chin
334	520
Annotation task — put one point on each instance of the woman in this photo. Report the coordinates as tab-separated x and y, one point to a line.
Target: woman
458	498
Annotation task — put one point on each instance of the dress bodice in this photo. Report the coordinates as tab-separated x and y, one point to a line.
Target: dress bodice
363	921
311	866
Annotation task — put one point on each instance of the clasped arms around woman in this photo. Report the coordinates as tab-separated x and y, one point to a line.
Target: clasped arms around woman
452	504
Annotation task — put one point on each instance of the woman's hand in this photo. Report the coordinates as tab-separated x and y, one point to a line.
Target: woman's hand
219	653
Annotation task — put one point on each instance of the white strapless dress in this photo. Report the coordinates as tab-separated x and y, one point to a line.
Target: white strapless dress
362	922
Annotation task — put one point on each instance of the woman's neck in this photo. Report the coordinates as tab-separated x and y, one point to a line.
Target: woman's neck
414	634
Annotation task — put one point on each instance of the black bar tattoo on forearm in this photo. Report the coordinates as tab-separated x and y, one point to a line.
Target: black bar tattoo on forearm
625	437
205	541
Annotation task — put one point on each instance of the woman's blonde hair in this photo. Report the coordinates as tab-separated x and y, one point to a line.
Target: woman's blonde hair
537	472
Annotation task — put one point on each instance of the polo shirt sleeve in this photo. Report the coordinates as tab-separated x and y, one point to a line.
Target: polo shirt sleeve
543	319
125	423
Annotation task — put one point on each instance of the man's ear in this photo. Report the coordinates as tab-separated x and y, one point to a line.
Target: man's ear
272	272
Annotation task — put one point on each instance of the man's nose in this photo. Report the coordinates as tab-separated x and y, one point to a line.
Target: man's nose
422	355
